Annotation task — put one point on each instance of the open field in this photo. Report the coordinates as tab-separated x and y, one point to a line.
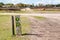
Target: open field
42	27
47	29
47	11
34	11
12	11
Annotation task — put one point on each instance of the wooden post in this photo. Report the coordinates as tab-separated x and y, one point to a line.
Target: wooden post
13	32
18	25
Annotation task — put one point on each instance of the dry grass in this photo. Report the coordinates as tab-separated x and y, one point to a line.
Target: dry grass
6	29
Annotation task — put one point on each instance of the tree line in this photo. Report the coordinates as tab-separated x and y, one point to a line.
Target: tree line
22	5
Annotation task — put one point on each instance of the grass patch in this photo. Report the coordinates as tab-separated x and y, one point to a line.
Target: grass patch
6	29
25	25
39	17
12	11
45	11
34	11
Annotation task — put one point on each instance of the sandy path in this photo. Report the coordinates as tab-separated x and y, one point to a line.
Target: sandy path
48	29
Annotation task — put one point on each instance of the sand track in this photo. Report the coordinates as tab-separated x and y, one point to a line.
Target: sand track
48	29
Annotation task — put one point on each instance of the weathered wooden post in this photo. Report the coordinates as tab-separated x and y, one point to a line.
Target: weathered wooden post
18	25
13	32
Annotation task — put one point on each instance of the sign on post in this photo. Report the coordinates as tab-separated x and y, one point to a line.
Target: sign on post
18	25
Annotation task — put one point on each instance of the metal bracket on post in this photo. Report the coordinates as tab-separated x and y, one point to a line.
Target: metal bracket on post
18	25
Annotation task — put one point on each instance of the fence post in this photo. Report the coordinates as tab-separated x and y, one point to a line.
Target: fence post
13	32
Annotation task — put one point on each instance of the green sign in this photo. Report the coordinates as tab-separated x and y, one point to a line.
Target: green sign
17	24
17	19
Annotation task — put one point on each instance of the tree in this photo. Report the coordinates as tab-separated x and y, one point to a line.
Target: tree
20	5
9	5
50	5
58	5
1	4
32	6
40	5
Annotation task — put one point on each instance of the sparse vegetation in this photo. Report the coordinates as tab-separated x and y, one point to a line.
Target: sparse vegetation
39	17
6	29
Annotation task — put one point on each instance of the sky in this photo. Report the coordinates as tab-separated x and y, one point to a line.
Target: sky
32	1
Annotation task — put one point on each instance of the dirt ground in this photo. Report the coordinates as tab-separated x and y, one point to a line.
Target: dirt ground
48	29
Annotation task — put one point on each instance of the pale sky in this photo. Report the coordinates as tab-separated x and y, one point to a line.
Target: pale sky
32	1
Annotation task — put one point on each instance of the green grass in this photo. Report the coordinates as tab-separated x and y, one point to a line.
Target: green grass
44	11
6	29
25	25
34	11
39	17
12	11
